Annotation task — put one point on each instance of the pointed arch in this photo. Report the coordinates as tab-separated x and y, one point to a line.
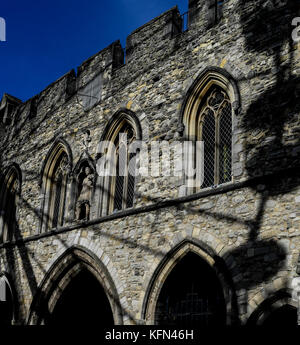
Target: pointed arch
207	77
117	119
273	304
57	145
62	272
207	116
169	263
84	159
9	307
117	155
54	185
10	192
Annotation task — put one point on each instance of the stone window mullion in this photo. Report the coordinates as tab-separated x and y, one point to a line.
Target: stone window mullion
210	122
55	203
120	184
130	181
62	199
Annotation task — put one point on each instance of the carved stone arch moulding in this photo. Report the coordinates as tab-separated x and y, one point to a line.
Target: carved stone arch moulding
199	87
54	184
113	193
278	299
6	279
13	169
208	116
63	270
58	146
84	158
116	121
170	261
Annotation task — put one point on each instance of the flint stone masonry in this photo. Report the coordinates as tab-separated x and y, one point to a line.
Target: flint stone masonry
250	224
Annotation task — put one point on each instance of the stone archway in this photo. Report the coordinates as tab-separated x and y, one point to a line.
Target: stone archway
7	302
190	298
82	302
77	286
278	310
190	288
283	316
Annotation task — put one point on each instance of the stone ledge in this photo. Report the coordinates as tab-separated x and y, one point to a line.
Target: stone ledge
228	187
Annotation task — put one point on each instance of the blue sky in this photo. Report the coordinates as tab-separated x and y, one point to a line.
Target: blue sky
45	39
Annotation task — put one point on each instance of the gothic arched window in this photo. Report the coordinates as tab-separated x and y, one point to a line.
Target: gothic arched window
215	130
58	191
122	186
10	191
117	187
54	187
208	120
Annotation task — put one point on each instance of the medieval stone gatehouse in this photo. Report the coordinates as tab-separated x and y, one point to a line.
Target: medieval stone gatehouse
160	248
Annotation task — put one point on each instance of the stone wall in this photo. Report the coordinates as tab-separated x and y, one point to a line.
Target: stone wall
251	224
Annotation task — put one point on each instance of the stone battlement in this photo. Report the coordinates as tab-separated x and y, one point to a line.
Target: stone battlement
141	45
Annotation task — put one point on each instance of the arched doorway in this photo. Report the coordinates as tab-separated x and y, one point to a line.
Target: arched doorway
6	303
191	296
283	316
77	289
82	302
280	309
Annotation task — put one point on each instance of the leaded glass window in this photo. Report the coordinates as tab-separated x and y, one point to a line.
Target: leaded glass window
122	186
215	130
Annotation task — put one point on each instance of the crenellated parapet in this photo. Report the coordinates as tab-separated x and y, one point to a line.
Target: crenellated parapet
94	74
7	108
111	56
91	82
205	14
153	34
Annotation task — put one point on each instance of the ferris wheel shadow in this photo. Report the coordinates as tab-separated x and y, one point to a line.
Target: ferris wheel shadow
272	145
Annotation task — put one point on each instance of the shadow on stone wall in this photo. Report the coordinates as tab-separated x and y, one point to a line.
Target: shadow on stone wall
28	259
271	124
